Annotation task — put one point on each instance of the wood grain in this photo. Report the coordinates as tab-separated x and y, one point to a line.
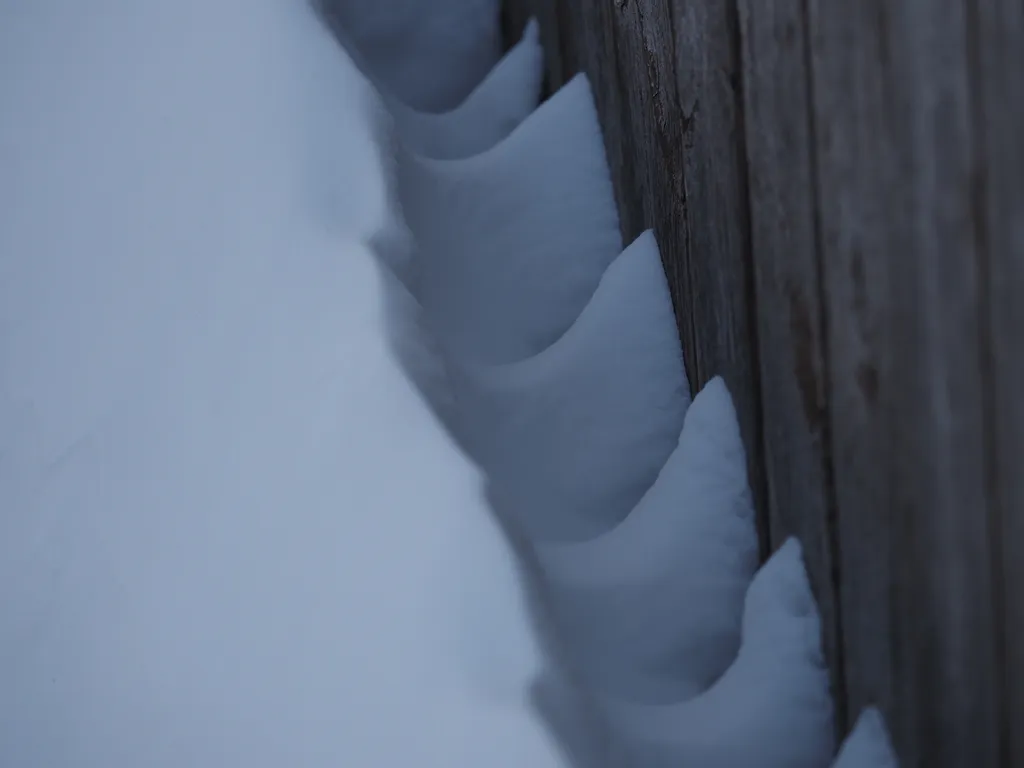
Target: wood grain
794	379
852	158
901	288
714	274
996	39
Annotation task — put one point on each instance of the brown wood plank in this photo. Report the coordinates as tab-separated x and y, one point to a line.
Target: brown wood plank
996	29
894	148
793	376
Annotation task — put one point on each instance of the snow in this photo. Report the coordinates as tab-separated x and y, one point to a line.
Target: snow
429	53
573	437
868	744
653	607
772	707
506	97
502	100
232	534
512	243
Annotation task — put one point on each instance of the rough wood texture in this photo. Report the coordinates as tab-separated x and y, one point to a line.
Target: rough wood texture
848	115
997	60
894	144
790	321
719	291
838	190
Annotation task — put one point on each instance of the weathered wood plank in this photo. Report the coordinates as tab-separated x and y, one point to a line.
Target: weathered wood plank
996	29
900	266
653	138
793	377
852	156
719	287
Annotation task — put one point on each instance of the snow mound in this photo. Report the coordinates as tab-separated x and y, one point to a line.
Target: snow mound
506	97
573	437
491	111
429	53
868	745
771	708
511	244
653	607
231	532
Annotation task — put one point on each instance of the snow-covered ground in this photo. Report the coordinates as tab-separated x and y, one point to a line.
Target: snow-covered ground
231	534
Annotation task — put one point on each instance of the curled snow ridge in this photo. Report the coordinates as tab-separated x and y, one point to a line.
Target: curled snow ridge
868	744
573	437
781	589
653	607
512	243
428	53
492	110
509	93
771	708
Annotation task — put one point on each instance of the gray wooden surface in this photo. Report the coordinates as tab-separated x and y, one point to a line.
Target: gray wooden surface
997	61
838	191
790	322
895	158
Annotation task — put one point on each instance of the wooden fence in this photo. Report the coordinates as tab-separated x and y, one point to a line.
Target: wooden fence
838	190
